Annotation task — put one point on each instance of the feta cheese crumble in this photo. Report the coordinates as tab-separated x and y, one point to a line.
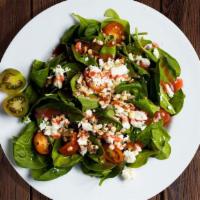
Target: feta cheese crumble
156	53
128	173
129	156
169	90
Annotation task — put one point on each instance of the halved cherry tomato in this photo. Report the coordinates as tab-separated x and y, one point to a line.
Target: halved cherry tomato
71	147
41	143
114	156
16	106
116	30
12	81
178	84
165	116
46	112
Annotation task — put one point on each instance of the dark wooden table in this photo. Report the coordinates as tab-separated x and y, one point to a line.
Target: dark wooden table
15	13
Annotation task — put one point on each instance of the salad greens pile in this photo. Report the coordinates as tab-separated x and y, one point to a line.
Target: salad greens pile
103	100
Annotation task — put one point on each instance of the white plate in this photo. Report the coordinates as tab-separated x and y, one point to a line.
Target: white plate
40	36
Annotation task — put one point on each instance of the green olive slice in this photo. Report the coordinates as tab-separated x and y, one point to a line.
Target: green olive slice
16	105
12	81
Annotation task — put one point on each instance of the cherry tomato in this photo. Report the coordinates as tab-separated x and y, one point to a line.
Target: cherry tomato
165	116
114	156
116	30
41	143
71	147
178	84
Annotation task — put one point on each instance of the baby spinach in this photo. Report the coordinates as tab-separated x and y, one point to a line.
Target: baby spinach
172	62
69	34
165	102
113	173
87	27
177	101
31	94
23	150
111	13
47	174
146	105
134	88
39	73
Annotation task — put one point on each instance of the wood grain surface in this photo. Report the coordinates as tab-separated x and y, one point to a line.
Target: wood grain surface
15	13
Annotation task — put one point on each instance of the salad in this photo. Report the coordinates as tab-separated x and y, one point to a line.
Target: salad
103	101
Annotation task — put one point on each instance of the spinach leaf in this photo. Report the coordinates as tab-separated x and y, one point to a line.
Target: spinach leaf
47	174
39	73
91	30
68	36
142	158
177	101
23	150
111	13
172	62
146	135
94	166
89	172
146	105
113	173
165	102
165	152
31	94
140	44
106	50
134	88
90	102
63	161
84	23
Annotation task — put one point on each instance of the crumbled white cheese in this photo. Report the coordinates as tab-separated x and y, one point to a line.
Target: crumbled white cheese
83	150
59	70
156	53
119	70
86	59
88	113
83	140
128	173
43	125
126	125
138	124
86	126
129	156
138	115
145	62
169	90
110	140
